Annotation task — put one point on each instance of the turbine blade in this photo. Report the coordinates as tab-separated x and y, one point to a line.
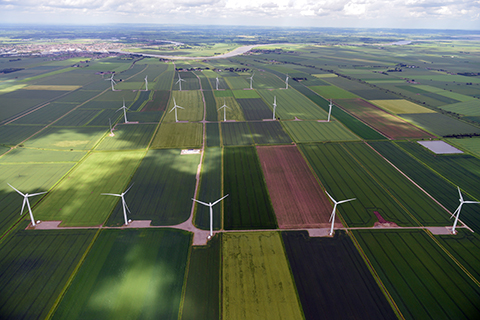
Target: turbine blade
129	187
180	107
471	202
111	194
205	204
460	193
346	200
36	194
328	194
15	189
126	207
23	205
457	210
219	200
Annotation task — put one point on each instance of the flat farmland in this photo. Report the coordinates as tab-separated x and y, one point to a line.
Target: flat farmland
471	145
76	200
45	115
422	280
355	125
222	84
79	138
128	137
387	124
24	155
101	119
467	108
212	130
257	283
191	101
236	134
178	135
129	274
401	106
118	96
210	189
269	132
291	104
234	112
190	82
332	279
159	101
210	106
297	198
255	109
147	117
165	80
312	131
164	185
248	204
140	101
11	135
35	267
237	83
344	178
77	118
223	93
440	124
333	92
266	80
245	94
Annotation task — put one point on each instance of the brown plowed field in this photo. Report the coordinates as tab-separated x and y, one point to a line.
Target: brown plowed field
297	198
388	124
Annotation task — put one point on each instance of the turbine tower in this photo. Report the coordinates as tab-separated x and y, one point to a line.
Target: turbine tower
224	107
457	212
124	204
25	201
175	108
124	110
251	80
217	83
146	82
111	129
286	82
179	81
211	212
329	111
112	82
274	106
332	217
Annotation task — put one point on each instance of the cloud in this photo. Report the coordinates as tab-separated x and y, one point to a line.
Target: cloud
354	9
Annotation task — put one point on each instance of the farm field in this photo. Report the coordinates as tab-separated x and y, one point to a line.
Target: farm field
401	106
234	112
266	80
333	92
257	283
294	189
77	118
236	134
334	263
128	137
269	132
440	124
422	280
248	204
356	126
191	101
24	155
312	131
159	101
178	135
238	82
76	200
163	186
46	115
141	100
245	94
255	109
212	131
11	135
59	138
35	267
471	145
467	108
129	274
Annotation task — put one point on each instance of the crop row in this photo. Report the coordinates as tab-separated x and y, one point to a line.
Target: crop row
312	131
178	135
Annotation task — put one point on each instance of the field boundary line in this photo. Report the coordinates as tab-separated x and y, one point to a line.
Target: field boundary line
375	275
185	278
54	308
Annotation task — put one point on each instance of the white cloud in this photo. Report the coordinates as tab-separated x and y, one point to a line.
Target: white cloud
354	9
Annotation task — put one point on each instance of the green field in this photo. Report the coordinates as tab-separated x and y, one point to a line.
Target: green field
76	200
234	112
163	186
191	101
257	283
212	131
129	274
440	124
255	109
35	268
236	134
128	137
178	135
46	115
269	132
77	118
401	106
312	131
245	94
467	108
23	155
11	135
471	145
79	138
333	92
237	83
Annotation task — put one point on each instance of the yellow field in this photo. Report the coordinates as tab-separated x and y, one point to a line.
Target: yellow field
325	75
5	88
401	106
191	101
234	112
55	88
257	283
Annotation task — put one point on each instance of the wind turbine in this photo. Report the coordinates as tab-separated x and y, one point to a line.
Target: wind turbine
211	212
217	83
179	81
175	108
111	81
251	80
224	107
274	106
332	217
146	82
25	201
329	111
457	212
111	129
286	82
124	204
124	110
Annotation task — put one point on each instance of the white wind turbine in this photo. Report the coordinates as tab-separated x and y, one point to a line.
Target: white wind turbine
124	110
25	201
286	82
217	83
329	111
179	81
111	129
175	108
112	81
211	212
251	80
124	204
146	82
274	106
224	107
457	212
332	217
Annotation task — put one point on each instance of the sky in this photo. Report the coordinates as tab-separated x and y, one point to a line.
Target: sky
414	14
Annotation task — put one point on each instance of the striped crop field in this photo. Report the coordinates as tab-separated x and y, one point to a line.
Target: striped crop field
386	123
11	135
312	131
78	118
46	115
24	155
190	82
467	108
129	274
234	112
223	93
128	137
210	105
80	138
255	109
355	125
469	145
440	124
257	283
237	83
422	280
291	104
178	135
35	268
159	101
165	80
266	80
191	101
212	130
248	204
269	132
140	101
236	134
401	106
333	92
163	186
245	94
76	201
297	198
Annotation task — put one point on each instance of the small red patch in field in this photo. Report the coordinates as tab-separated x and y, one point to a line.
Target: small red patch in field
379	217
